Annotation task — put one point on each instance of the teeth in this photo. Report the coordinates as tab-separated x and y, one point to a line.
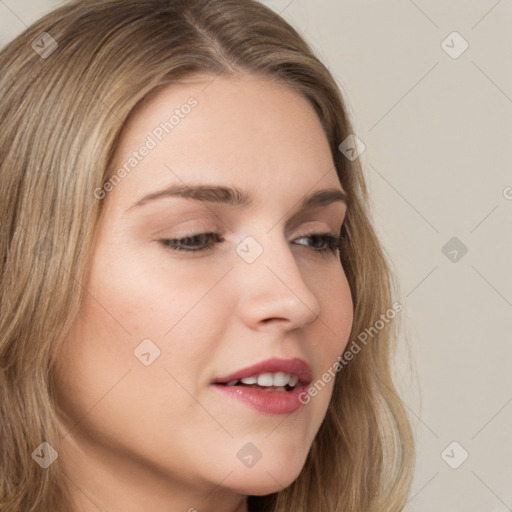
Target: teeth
276	380
294	381
265	379
279	380
250	380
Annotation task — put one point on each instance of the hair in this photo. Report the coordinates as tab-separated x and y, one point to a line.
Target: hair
62	117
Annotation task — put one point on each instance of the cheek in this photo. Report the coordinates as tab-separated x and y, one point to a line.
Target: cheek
147	294
337	313
171	320
327	338
134	314
337	324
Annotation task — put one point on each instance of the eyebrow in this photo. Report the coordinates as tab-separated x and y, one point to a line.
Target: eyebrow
233	196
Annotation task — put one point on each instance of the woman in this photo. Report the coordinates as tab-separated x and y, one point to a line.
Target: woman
177	217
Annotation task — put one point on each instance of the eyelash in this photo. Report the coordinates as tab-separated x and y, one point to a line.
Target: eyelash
334	243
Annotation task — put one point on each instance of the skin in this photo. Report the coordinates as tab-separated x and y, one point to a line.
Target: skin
160	437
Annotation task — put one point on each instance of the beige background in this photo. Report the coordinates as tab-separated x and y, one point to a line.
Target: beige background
438	132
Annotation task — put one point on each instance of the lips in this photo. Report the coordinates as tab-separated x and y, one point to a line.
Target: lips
270	400
295	366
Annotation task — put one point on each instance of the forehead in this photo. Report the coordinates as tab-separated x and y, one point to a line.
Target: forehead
244	131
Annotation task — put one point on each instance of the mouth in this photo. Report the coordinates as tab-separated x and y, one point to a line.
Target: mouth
276	374
255	383
272	387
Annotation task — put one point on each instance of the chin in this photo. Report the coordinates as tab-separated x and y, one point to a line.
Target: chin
264	480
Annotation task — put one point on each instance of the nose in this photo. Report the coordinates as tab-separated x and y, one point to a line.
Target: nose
273	289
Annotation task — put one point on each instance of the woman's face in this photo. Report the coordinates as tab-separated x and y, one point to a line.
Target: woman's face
144	425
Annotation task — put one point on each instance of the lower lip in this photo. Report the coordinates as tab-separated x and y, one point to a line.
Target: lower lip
267	402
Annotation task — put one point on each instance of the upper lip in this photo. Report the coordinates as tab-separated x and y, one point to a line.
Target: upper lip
295	366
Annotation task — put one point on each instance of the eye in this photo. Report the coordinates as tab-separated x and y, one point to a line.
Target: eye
328	243
194	243
323	243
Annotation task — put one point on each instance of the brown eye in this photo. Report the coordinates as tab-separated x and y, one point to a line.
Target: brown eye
194	243
327	242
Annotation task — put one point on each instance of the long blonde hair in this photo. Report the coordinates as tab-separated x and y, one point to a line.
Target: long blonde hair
62	115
